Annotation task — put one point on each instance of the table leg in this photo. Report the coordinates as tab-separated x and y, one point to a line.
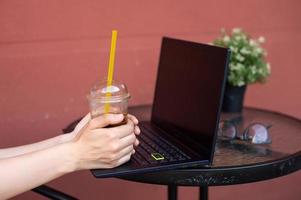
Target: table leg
203	192
172	192
52	193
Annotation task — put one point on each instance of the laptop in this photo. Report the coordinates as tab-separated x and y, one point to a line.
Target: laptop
187	103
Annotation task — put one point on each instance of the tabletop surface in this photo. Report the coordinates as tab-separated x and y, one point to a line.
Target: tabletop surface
238	161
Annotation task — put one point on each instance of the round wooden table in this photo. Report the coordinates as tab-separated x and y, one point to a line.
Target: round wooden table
236	161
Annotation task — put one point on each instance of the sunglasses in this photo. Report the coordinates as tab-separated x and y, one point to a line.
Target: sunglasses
257	132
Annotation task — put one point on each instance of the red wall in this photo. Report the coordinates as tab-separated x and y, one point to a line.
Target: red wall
52	51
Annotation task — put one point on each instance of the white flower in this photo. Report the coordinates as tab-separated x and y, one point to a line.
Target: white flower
237	66
239	57
258	50
233	49
240	83
238	37
252	42
240	66
236	30
253	69
261	39
245	51
226	38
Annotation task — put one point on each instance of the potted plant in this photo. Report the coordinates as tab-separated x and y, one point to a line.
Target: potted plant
247	65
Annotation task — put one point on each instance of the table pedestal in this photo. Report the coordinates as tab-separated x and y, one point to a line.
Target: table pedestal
172	192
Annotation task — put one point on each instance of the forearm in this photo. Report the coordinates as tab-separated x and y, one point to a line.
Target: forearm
20	150
22	173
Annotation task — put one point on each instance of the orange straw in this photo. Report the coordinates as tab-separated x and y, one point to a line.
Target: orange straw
111	69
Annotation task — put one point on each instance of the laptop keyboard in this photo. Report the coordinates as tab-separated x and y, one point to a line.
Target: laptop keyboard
154	149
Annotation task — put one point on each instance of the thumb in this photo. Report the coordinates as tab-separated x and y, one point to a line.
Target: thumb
105	120
83	122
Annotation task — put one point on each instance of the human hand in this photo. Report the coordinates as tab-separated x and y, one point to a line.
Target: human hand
85	120
97	147
136	130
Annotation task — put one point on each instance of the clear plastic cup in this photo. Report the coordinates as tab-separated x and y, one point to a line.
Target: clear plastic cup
117	100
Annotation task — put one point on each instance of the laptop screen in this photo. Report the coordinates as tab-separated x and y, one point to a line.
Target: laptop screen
189	91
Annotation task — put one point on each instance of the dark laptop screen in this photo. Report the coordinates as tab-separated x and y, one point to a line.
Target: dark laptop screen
189	89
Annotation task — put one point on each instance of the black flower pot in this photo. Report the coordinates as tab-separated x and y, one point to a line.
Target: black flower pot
233	98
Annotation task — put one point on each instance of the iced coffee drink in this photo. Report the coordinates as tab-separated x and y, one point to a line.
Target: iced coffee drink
109	99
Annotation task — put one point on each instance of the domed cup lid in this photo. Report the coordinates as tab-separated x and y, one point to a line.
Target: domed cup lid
116	92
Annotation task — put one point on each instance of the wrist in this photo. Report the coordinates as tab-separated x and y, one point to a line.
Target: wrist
65	138
69	156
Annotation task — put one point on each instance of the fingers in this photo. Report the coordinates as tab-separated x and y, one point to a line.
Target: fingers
105	120
127	141
125	151
121	157
136	143
137	130
123	130
124	159
136	122
133	118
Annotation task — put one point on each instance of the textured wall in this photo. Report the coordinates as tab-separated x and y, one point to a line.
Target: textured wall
52	51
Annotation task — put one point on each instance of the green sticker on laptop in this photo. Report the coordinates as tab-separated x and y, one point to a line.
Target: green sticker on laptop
157	156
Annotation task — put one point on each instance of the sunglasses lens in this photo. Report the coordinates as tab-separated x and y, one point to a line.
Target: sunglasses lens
228	131
259	134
